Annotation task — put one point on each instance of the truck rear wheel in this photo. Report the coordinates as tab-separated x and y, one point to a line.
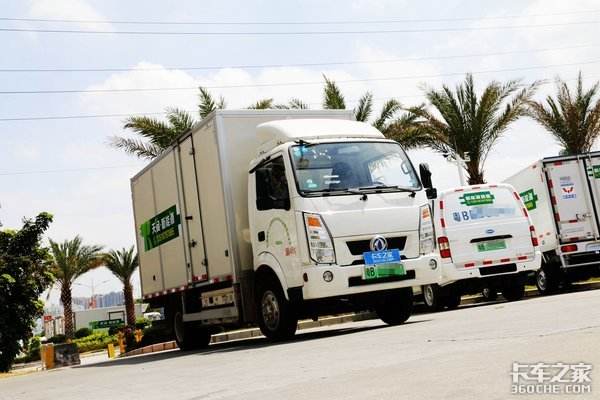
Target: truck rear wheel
452	299
514	292
190	335
432	297
395	309
277	318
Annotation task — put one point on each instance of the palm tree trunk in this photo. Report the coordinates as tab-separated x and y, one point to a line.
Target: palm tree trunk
475	174
65	298
129	304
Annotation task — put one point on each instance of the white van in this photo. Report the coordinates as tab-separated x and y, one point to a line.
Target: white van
486	241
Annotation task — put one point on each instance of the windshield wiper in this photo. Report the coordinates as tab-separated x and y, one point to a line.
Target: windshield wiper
304	143
396	188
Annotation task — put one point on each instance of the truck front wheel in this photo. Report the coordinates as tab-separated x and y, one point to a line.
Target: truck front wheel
547	280
190	335
276	316
395	308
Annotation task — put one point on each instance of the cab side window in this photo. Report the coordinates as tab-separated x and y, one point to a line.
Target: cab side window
271	186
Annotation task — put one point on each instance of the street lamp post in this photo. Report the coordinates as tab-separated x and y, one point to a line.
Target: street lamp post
92	287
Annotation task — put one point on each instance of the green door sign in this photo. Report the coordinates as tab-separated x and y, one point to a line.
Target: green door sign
161	228
529	198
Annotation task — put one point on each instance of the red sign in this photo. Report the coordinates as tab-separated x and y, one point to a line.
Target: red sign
47	318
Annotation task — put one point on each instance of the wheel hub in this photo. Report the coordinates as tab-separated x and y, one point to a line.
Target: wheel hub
541	279
270	310
429	296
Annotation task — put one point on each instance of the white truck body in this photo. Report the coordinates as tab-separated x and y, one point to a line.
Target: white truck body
562	195
204	246
486	240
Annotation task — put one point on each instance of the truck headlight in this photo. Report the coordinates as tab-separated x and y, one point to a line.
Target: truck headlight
320	243
426	233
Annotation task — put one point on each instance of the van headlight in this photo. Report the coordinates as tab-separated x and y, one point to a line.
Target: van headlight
426	233
320	243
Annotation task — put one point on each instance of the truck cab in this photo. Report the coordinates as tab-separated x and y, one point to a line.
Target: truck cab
325	199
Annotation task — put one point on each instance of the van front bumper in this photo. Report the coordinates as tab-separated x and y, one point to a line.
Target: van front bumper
348	280
451	273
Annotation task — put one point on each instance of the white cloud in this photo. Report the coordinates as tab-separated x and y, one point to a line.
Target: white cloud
69	9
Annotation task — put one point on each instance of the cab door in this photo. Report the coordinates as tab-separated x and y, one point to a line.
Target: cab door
274	227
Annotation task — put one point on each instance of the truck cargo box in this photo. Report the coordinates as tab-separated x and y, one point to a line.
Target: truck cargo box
190	203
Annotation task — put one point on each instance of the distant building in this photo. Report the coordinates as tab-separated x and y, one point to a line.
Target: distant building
84	318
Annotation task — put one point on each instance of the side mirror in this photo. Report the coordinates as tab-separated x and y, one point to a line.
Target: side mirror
425	174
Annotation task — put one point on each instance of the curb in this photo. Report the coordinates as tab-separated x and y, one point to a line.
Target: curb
326	321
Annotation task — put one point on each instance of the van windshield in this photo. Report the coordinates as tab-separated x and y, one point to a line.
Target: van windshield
349	167
485	205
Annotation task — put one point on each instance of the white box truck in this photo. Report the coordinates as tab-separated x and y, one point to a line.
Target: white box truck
562	195
486	241
264	217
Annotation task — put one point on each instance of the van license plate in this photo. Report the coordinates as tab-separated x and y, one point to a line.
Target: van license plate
382	264
491	245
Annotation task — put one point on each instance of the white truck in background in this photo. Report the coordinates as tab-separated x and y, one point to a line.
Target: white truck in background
562	195
486	240
265	217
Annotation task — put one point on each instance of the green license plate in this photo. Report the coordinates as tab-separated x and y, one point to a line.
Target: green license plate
383	271
491	245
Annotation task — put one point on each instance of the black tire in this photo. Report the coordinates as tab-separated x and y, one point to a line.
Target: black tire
514	292
432	297
452	300
547	280
276	317
490	294
189	335
395	308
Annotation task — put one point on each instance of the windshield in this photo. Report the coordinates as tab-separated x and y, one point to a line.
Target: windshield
330	167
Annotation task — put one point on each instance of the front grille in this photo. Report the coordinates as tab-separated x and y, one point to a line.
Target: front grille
583	258
358	247
359	281
498	269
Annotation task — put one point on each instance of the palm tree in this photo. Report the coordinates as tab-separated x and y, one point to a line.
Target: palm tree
333	99
123	263
572	118
158	134
70	260
466	123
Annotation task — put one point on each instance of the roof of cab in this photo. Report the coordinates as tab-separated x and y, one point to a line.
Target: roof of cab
294	129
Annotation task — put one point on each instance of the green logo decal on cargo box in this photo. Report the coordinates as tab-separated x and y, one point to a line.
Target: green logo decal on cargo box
530	199
477	198
596	171
161	228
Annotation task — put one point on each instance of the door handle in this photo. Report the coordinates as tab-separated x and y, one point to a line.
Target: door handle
193	243
261	236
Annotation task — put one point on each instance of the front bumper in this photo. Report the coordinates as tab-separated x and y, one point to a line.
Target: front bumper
347	280
451	273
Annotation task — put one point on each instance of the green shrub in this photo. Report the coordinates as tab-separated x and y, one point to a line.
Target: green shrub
57	339
82	332
33	351
95	341
157	333
142	323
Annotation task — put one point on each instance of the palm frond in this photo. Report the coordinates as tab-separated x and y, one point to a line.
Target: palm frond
332	96
389	109
363	110
297	104
262	104
136	147
207	103
122	263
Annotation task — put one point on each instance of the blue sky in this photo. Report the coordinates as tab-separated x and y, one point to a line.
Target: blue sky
96	203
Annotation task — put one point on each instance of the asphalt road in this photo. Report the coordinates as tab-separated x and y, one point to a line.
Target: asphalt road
462	354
